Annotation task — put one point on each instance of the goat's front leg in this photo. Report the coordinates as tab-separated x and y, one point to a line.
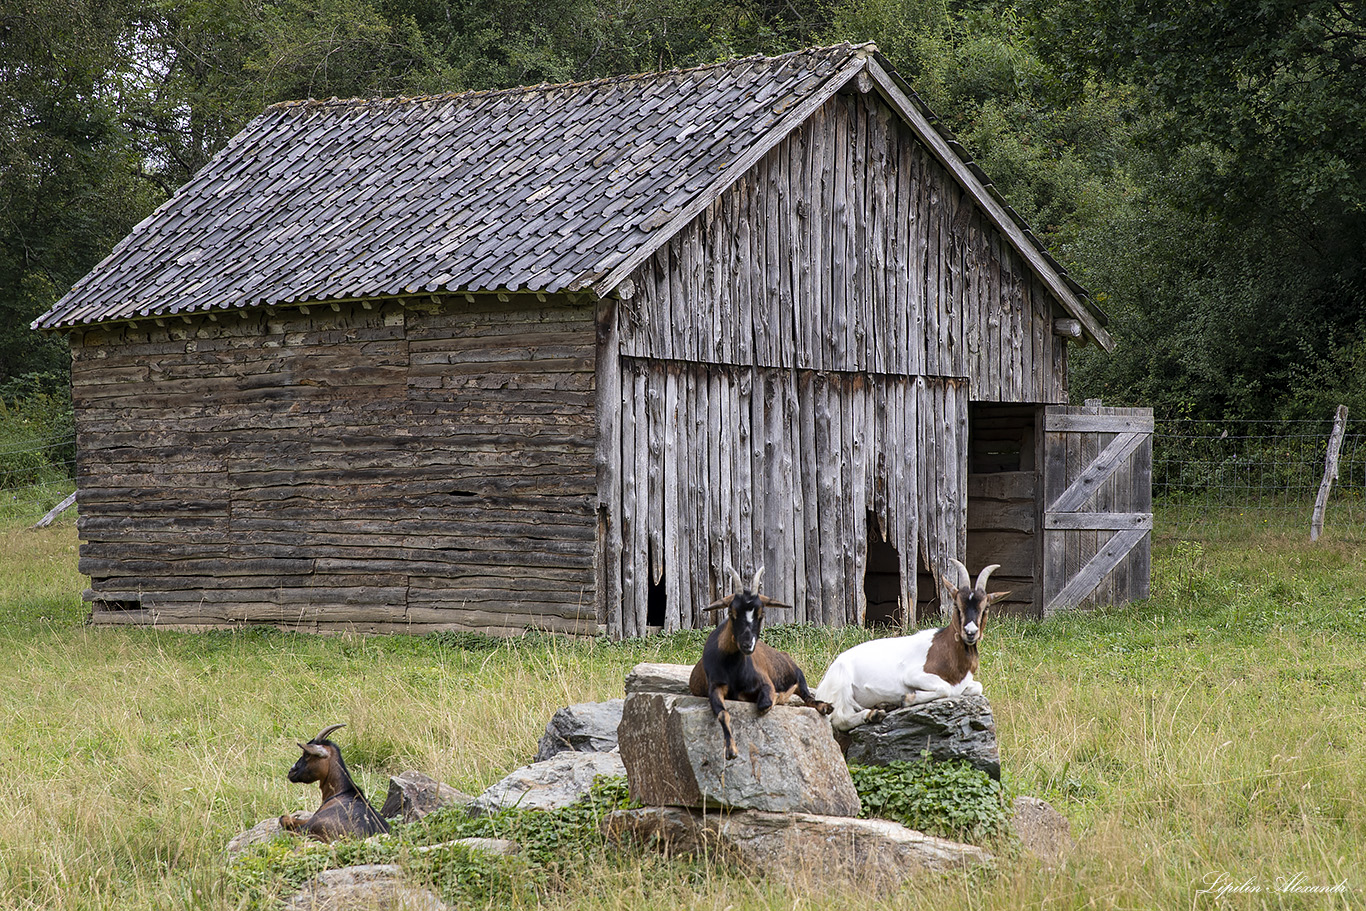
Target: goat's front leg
717	697
295	822
764	700
922	688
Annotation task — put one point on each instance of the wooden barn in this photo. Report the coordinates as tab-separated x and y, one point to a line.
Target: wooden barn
559	357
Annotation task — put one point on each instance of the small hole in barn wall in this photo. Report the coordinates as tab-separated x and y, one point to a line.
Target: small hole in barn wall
881	580
656	602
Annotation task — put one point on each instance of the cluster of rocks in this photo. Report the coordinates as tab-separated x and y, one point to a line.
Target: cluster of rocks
786	808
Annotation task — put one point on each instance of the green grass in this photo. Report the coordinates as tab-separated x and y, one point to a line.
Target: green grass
1219	727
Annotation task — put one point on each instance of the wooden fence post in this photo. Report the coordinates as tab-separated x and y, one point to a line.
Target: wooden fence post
1330	473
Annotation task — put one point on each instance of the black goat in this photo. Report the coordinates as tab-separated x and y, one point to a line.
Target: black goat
736	665
344	813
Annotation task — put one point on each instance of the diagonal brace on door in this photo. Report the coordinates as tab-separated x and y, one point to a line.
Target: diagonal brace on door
1081	490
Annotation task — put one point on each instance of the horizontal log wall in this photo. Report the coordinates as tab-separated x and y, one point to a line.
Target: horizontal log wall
397	468
726	467
850	248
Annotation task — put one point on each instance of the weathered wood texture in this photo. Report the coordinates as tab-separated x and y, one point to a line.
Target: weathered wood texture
1097	521
744	467
380	468
850	248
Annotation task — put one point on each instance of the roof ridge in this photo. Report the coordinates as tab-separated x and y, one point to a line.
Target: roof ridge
866	47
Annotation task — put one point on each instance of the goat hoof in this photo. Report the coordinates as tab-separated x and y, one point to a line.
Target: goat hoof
876	715
824	708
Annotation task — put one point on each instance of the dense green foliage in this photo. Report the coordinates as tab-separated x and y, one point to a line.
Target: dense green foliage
949	799
1201	166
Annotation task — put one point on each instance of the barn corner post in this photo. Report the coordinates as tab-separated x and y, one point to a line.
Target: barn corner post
607	461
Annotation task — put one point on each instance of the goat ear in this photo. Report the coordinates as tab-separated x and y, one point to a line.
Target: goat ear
996	596
949	584
312	749
766	601
720	605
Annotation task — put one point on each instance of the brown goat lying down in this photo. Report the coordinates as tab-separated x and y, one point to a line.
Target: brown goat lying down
344	813
736	665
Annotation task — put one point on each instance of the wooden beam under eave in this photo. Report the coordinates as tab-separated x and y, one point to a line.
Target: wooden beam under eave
907	108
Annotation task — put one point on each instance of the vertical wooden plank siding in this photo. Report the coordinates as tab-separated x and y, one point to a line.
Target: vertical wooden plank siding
850	248
346	469
833	444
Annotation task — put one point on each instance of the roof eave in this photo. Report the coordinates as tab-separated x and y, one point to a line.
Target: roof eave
888	86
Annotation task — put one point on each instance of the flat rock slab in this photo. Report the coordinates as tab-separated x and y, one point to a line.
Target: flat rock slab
801	850
412	795
587	727
659	678
370	887
789	762
550	785
961	727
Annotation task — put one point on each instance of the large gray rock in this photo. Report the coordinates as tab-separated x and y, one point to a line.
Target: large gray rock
958	728
412	795
801	850
587	727
674	756
550	785
1042	830
371	887
659	678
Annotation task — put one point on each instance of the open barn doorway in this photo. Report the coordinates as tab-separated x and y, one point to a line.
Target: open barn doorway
1004	501
882	580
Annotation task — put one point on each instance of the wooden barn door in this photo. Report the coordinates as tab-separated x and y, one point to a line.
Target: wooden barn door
1098	515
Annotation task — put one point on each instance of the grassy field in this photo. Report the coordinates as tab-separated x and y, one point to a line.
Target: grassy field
1218	729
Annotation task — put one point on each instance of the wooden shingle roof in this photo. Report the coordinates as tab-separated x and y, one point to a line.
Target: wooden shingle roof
545	188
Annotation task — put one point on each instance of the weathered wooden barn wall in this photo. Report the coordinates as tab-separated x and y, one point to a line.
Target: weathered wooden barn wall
849	247
803	355
397	468
747	467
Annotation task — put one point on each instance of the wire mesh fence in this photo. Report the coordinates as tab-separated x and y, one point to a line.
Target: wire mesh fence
1212	478
36	473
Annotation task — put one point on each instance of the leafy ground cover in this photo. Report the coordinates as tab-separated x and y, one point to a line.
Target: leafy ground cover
1211	735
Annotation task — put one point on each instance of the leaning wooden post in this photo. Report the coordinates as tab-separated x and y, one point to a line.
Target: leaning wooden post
1330	473
54	512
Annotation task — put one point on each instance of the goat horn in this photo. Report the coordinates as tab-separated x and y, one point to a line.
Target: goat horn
982	577
757	576
735	578
326	731
964	580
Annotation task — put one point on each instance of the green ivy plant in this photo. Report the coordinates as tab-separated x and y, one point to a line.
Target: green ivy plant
948	799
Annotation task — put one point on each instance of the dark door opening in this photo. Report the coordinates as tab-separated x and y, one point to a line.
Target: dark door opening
881	580
656	598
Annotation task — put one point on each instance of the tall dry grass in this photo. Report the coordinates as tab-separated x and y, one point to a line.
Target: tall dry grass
1216	729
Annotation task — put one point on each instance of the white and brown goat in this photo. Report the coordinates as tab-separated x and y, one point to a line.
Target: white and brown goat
864	681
